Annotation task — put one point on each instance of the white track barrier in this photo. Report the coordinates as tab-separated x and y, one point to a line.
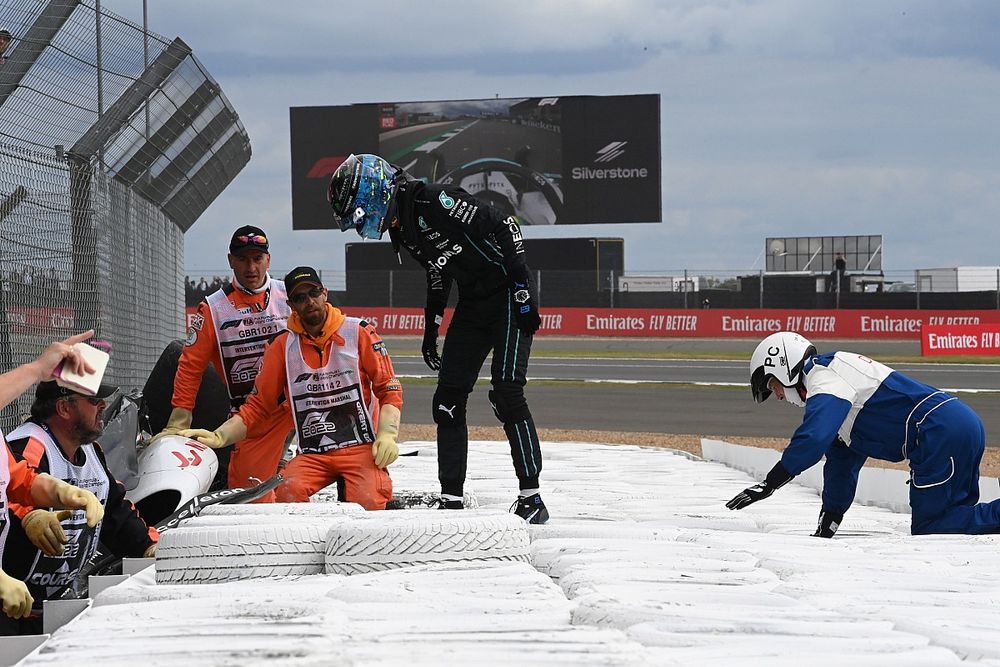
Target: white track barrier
877	487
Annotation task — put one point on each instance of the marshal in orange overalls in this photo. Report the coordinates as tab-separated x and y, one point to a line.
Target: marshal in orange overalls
332	386
237	359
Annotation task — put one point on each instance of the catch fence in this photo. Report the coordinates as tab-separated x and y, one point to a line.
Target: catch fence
113	140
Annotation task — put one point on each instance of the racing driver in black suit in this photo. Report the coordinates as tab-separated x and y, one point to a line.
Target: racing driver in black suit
458	238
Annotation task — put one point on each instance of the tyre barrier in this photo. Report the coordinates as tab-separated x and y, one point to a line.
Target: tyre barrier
405	499
215	554
357	547
285	509
402	499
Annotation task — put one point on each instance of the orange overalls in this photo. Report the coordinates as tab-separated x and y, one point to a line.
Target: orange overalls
255	458
15	487
324	459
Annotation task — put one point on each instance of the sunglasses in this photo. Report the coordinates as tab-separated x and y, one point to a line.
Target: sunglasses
300	297
91	400
255	239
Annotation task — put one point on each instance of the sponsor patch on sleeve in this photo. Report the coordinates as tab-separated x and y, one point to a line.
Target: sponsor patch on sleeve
192	336
380	348
197	321
394	385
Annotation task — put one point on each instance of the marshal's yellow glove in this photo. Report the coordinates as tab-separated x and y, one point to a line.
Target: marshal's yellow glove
43	530
15	597
47	491
71	497
180	420
232	431
384	449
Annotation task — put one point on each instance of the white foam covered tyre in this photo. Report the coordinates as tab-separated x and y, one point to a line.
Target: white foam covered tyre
213	554
287	509
251	520
357	547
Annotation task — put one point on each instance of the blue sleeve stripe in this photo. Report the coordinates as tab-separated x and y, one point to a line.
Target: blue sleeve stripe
824	414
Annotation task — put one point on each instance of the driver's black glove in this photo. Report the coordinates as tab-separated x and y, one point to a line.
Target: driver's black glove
429	348
775	479
828	523
525	310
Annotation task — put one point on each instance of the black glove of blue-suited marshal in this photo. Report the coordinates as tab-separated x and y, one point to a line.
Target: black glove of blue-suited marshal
525	311
776	478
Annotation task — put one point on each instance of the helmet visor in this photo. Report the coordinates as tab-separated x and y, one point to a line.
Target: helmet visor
758	385
342	190
359	194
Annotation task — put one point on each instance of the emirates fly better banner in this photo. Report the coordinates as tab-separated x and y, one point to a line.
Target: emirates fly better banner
944	331
960	339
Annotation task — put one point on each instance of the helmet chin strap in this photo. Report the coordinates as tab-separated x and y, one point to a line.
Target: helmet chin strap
399	181
394	239
792	397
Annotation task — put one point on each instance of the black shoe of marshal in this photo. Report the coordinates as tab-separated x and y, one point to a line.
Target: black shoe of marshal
531	509
450	504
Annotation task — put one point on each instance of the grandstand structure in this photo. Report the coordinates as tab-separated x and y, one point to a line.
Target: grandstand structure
113	141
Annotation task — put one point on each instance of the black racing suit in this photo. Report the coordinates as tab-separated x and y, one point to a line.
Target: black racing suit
462	240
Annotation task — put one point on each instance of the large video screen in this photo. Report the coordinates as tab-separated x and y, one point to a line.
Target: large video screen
547	160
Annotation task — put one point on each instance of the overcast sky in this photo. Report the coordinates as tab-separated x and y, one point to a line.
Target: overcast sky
779	117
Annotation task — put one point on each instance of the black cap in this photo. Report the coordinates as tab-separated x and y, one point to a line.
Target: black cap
6	33
250	237
51	389
301	275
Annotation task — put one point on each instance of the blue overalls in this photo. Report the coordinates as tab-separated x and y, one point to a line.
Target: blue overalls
880	413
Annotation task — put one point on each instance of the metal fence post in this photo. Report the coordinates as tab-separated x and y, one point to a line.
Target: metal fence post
99	42
685	288
761	303
917	276
538	286
391	274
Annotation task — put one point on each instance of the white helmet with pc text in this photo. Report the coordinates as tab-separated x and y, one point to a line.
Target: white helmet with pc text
780	356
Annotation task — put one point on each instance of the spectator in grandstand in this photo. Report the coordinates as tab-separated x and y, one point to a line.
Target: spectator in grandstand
857	408
191	296
21	484
59	439
5	39
458	238
333	376
230	330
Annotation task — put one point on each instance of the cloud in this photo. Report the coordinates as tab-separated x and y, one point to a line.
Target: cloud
780	117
